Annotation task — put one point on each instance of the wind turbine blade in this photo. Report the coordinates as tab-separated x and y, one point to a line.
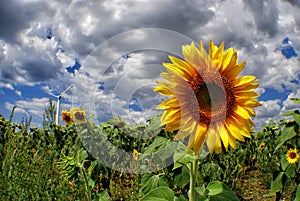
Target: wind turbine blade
66	89
53	95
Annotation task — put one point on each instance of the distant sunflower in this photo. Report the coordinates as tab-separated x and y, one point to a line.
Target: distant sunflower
292	156
135	154
208	101
262	145
66	117
78	115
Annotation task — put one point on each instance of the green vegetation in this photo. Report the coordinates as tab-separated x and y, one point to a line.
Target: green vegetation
52	164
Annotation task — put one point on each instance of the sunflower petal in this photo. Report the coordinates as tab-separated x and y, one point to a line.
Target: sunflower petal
199	138
245	80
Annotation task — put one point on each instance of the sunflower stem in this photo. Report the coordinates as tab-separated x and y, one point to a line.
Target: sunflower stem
193	176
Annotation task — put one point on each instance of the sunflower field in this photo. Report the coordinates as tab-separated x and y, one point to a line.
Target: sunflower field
52	164
202	146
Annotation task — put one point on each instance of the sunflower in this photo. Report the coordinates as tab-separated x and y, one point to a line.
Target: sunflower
78	115
262	145
292	156
66	117
208	102
135	154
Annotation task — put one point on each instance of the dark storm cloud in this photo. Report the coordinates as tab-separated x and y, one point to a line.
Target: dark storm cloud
265	14
294	2
16	16
12	19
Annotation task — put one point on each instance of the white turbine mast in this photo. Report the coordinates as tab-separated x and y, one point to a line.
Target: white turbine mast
58	97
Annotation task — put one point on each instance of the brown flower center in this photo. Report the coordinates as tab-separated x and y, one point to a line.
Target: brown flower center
67	118
79	116
292	155
213	97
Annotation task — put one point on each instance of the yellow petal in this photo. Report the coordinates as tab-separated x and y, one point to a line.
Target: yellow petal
248	94
241	112
218	146
183	65
230	59
163	91
233	130
199	138
248	79
233	72
211	139
172	102
170	114
249	103
224	136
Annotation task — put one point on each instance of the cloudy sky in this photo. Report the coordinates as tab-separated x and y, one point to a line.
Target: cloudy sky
111	51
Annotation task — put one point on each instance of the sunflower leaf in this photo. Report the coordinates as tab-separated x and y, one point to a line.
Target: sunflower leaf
276	185
217	191
296	116
297	193
295	100
182	158
287	133
102	196
159	194
284	162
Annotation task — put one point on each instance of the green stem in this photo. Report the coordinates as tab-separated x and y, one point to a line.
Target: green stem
86	181
193	176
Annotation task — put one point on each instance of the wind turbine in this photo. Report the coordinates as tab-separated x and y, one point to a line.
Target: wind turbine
58	102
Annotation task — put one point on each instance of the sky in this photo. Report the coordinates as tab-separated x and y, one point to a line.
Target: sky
110	52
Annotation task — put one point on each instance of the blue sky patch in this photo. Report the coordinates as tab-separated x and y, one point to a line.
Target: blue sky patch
75	67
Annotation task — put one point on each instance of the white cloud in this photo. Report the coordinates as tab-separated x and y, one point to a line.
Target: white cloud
270	110
288	104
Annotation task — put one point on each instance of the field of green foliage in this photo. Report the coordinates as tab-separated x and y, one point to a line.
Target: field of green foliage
52	164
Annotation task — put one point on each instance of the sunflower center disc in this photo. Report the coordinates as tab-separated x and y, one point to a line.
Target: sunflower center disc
292	155
214	100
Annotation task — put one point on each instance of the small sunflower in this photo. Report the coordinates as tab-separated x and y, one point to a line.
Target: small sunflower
292	156
66	117
262	145
78	115
208	101
135	154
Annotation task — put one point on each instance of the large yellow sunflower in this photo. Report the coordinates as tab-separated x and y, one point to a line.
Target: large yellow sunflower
208	101
292	156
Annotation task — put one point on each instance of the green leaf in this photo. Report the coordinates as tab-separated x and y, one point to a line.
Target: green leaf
91	183
200	193
297	198
289	113
102	196
276	185
296	116
150	182
287	133
217	191
212	170
284	162
154	126
81	156
183	178
182	158
296	100
92	167
289	169
159	194
180	198
157	143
